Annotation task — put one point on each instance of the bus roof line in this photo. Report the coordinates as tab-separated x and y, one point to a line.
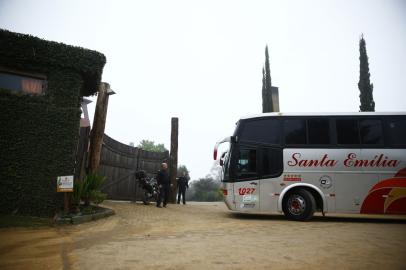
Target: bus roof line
322	114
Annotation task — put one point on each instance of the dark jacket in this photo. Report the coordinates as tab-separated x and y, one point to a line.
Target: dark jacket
183	182
162	178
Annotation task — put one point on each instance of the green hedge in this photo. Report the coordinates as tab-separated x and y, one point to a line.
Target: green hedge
39	134
25	52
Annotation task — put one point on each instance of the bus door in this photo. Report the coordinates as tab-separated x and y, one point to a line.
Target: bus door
246	185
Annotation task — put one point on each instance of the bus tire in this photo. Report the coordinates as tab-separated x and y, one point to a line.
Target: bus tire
299	205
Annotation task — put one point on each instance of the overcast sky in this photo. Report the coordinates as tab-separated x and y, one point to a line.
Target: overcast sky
201	61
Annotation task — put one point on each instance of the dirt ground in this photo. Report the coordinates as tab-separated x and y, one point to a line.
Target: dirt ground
207	236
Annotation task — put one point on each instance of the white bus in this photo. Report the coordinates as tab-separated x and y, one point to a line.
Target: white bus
301	163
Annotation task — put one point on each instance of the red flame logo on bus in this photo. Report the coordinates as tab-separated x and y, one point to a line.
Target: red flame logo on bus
387	196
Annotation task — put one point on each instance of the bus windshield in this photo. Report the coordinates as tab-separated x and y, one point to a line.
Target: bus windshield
226	166
223	147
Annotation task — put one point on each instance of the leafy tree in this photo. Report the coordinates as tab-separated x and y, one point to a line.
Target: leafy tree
364	85
267	105
151	146
181	169
205	190
215	171
264	93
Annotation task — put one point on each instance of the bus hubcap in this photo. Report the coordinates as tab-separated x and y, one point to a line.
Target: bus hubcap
296	205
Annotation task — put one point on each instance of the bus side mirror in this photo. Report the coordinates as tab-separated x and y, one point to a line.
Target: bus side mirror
221	161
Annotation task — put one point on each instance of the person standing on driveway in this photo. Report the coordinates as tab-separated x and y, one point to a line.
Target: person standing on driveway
163	184
182	186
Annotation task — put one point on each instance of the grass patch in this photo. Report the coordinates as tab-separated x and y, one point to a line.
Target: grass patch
7	221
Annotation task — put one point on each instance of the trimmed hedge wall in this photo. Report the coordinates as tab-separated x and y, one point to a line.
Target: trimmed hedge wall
39	133
25	52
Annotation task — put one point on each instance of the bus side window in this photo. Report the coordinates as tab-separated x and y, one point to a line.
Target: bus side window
371	131
272	162
347	131
319	131
264	131
397	132
247	163
294	131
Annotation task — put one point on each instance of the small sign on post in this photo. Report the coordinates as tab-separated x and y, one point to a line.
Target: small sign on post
65	184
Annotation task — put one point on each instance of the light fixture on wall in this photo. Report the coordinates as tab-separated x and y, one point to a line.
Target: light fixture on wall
110	91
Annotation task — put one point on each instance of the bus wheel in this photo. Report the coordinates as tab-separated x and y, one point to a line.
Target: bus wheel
299	205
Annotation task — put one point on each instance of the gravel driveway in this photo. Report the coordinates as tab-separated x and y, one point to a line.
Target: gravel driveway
207	236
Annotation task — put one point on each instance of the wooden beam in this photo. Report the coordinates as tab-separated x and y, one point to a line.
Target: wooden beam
173	158
99	123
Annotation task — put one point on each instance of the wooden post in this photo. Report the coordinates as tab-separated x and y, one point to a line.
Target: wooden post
99	123
65	203
173	158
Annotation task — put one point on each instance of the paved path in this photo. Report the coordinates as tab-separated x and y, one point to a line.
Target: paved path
207	236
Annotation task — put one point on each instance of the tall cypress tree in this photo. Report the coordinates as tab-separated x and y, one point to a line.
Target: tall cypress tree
264	95
364	85
267	105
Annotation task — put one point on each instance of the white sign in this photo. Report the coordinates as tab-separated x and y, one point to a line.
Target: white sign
249	198
64	183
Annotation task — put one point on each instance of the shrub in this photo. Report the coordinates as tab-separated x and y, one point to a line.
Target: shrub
76	194
91	183
96	196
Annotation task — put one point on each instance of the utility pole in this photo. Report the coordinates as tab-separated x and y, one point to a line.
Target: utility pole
173	157
99	123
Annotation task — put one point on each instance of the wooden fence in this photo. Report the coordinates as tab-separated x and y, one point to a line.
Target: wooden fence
119	162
